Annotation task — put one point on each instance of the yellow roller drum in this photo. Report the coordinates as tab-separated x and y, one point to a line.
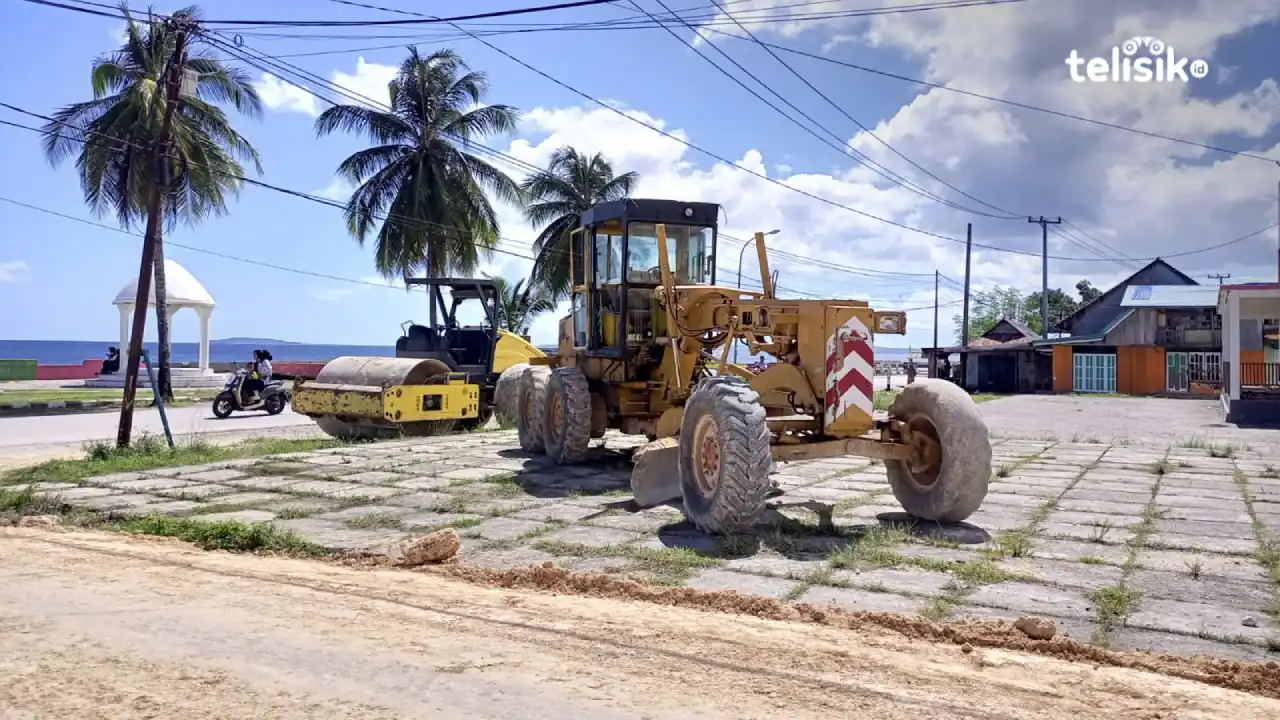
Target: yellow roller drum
378	397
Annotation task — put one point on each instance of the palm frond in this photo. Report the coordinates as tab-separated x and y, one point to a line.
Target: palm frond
382	127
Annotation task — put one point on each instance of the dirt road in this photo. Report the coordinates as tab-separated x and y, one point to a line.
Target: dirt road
98	626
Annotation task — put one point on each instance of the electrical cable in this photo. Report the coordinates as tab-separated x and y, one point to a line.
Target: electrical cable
1007	215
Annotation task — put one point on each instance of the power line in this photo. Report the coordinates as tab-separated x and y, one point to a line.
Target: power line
203	251
722	159
294	70
686	143
775	181
1007	215
841	146
606	26
295	193
770	15
373	23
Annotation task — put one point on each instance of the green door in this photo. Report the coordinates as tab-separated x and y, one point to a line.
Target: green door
1175	372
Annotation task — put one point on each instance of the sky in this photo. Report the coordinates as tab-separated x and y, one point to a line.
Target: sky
937	157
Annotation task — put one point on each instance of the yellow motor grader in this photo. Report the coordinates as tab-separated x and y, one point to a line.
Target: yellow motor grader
444	374
645	350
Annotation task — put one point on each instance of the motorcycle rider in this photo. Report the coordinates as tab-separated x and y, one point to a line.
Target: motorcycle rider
259	375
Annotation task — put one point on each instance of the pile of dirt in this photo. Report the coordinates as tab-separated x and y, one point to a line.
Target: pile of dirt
1257	678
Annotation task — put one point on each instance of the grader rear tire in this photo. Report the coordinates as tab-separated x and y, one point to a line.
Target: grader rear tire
724	456
506	394
951	483
566	426
531	406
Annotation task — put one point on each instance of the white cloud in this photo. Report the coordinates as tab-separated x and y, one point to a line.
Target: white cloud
339	190
14	271
278	94
366	86
368	83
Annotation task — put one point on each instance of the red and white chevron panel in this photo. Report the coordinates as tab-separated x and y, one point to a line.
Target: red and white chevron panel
850	370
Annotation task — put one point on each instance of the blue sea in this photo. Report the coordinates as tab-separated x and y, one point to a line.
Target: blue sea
72	352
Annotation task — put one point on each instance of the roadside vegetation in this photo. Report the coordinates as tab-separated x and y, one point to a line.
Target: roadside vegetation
43	395
150	452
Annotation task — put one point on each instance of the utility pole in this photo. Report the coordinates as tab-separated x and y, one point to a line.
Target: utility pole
155	210
1044	273
964	314
936	275
1219	278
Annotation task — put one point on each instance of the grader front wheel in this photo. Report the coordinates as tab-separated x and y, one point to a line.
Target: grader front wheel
946	478
566	428
724	456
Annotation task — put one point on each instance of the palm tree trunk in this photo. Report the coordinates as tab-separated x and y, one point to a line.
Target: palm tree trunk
163	380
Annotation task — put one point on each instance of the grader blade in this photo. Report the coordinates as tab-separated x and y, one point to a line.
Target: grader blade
655	479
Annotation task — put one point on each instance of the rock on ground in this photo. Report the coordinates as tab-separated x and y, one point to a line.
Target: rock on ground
1036	628
432	548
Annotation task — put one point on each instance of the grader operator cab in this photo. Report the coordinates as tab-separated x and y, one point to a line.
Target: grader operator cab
444	373
645	350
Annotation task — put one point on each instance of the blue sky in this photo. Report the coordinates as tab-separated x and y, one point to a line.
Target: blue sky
1140	196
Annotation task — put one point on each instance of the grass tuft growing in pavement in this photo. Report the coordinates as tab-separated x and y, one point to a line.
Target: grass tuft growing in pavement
373	521
29	502
226	535
1114	604
149	452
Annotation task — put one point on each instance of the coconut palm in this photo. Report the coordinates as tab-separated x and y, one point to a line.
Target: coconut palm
113	134
558	196
420	190
519	305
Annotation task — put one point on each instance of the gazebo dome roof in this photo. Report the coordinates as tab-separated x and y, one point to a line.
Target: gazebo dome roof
181	289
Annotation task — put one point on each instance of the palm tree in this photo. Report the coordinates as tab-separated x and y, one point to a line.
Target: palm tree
519	305
558	196
421	174
113	134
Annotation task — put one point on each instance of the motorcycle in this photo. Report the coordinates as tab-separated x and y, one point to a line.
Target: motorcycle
274	398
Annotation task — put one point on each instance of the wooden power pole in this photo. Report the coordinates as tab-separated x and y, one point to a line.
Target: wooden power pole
155	210
1219	277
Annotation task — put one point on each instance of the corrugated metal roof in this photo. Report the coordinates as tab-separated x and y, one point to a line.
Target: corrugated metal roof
1170	296
1089	339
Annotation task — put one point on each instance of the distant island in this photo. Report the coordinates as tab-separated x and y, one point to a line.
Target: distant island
256	341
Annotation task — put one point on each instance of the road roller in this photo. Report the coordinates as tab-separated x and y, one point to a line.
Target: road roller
444	376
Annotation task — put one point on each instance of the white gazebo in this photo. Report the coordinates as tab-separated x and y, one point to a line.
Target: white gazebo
182	291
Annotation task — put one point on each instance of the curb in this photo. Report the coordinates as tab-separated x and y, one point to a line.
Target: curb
72	407
56	407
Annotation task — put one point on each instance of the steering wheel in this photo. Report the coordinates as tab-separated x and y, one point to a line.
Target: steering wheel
655	272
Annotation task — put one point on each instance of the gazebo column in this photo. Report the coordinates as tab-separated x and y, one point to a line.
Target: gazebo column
126	315
204	313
